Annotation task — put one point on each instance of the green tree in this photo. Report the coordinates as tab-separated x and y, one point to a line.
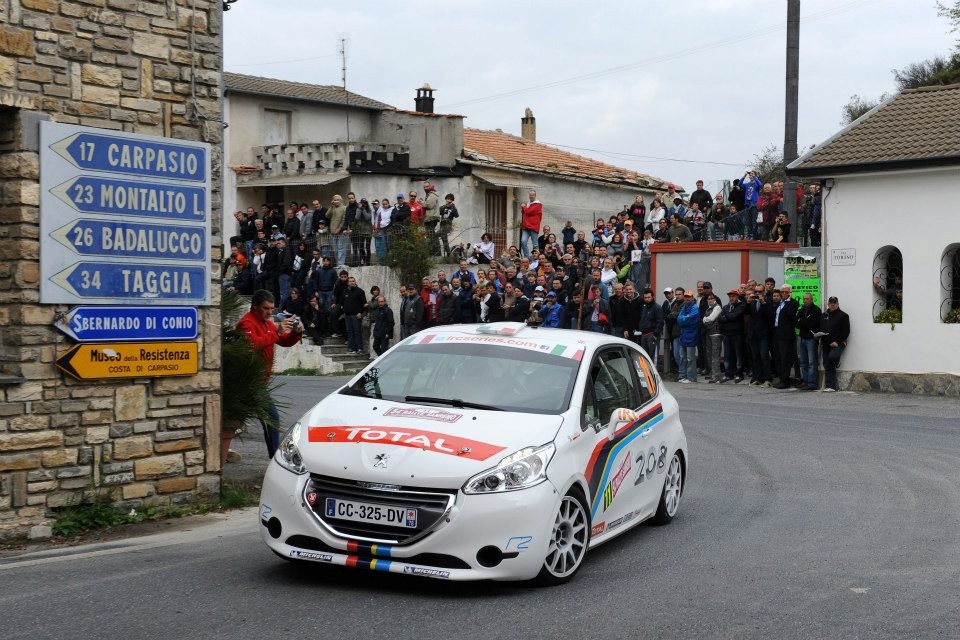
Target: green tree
408	254
769	164
858	106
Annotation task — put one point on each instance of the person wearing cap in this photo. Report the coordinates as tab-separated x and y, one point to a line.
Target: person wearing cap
448	212
688	320
731	325
836	326
671	194
400	219
714	341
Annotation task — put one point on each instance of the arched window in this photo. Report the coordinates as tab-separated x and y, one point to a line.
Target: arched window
950	284
887	284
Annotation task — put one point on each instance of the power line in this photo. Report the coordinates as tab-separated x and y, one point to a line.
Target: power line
262	64
632	155
666	57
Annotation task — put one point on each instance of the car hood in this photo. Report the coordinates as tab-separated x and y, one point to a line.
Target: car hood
412	444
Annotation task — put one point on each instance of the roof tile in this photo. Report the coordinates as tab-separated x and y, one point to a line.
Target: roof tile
328	94
503	150
917	124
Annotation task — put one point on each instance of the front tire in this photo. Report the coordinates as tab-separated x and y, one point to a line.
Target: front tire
569	537
670	496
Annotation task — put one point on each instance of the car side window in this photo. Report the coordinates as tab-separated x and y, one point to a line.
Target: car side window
645	376
611	386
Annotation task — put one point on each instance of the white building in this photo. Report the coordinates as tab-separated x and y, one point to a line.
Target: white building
890	184
289	141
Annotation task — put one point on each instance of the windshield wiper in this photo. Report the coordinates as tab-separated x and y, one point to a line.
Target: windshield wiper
453	402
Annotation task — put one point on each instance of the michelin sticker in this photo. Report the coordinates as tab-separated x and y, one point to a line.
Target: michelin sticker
311	555
424	571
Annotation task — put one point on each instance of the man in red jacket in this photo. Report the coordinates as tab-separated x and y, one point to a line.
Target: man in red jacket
263	334
530	226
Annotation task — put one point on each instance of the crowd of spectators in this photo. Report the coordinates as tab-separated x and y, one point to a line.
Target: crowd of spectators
592	279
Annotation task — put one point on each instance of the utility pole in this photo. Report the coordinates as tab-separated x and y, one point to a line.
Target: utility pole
790	119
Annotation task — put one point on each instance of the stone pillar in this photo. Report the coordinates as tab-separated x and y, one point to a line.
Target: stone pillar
142	66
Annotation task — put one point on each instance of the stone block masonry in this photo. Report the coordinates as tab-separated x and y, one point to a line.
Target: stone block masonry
141	66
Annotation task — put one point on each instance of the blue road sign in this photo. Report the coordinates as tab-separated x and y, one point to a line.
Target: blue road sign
116	324
126	218
92	194
133	240
135	157
93	280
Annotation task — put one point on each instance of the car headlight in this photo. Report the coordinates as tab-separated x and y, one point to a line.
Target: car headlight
525	468
288	453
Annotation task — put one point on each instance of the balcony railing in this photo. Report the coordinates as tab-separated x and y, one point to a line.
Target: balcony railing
317	157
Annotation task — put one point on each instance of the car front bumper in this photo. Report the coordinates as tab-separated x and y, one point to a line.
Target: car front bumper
516	523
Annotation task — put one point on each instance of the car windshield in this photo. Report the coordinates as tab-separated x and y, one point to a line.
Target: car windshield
472	376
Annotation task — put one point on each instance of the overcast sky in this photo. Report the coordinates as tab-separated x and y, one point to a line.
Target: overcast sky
694	80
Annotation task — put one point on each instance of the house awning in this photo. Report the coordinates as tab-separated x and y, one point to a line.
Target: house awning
311	180
501	181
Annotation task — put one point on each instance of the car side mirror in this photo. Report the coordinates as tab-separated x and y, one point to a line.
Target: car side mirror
620	417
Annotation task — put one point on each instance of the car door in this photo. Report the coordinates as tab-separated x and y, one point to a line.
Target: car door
609	410
654	442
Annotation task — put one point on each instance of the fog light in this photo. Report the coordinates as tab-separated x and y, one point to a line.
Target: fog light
274	528
489	556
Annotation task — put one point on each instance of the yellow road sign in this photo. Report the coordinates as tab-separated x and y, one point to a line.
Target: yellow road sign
90	361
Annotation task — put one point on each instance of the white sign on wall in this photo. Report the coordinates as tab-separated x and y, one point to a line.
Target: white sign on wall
843	257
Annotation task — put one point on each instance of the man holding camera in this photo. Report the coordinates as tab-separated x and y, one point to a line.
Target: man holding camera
263	334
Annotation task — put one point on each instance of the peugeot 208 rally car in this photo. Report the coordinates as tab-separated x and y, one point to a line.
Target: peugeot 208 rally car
467	452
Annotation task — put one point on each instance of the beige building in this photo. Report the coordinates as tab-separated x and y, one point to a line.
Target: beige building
290	141
144	67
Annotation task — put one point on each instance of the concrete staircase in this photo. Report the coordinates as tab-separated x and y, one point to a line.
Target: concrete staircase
330	357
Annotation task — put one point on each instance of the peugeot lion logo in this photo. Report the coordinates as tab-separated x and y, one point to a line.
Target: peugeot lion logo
380	460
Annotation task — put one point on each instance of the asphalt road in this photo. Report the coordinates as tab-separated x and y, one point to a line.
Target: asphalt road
805	516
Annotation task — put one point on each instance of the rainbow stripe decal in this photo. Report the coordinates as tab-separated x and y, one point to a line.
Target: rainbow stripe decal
356	562
574	352
382	550
601	460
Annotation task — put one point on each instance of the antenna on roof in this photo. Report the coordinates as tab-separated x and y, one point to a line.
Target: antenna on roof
342	50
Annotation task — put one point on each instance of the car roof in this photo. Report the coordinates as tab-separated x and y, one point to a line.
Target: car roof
521	331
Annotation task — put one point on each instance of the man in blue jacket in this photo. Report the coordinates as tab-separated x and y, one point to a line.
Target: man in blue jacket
552	312
751	186
689	322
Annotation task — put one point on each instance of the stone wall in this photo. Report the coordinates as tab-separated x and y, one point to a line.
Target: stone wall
143	66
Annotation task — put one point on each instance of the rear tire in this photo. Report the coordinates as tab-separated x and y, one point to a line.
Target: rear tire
569	537
670	496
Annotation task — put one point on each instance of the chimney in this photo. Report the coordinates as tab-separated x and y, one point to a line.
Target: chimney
424	100
528	126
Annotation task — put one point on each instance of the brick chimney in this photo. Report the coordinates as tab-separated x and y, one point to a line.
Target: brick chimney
528	126
424	100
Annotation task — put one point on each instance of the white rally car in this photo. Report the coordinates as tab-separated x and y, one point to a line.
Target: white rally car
471	452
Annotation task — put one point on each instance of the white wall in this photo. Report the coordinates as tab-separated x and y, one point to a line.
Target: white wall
309	123
915	212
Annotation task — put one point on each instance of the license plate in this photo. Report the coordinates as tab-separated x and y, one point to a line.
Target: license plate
366	512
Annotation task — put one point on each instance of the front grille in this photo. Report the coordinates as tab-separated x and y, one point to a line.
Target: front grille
439	560
431	505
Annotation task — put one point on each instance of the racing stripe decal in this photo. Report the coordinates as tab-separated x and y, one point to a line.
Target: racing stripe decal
598	469
381	550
